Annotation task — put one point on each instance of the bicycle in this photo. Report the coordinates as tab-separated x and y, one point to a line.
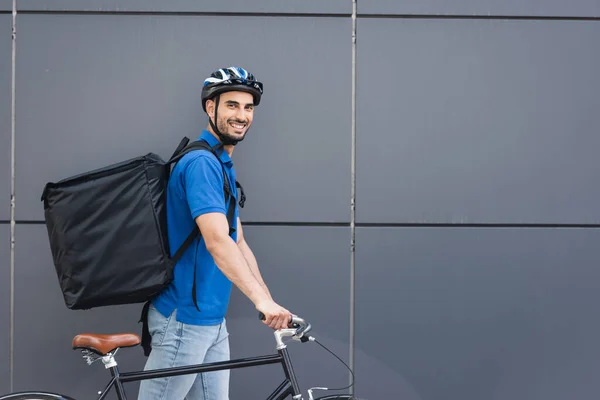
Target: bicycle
96	347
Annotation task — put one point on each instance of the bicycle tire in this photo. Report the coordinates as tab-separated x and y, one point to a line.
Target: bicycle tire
334	397
35	396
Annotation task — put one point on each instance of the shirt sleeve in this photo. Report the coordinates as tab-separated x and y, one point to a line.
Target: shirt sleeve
204	186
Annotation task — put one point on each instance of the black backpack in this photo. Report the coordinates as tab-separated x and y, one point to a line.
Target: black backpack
108	230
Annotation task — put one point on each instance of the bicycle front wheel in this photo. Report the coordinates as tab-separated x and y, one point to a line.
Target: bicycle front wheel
35	396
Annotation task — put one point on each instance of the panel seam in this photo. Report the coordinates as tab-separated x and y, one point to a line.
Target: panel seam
12	194
317	224
353	203
315	15
480	17
188	13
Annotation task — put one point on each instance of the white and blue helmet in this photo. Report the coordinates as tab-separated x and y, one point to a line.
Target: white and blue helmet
228	80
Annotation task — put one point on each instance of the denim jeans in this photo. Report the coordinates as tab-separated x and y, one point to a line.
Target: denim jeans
176	344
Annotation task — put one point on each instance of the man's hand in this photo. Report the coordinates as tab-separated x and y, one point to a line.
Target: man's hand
276	317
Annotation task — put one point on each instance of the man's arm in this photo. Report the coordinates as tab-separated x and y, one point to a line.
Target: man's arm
231	262
249	256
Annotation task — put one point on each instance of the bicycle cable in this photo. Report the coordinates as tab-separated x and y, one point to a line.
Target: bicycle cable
312	339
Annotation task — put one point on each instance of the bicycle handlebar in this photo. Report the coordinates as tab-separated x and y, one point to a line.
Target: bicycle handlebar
300	324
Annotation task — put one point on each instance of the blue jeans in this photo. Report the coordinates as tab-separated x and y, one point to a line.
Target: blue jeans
176	344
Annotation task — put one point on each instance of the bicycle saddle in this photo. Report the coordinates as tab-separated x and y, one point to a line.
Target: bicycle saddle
104	344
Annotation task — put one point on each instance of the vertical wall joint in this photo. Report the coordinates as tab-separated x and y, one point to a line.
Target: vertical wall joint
12	194
353	194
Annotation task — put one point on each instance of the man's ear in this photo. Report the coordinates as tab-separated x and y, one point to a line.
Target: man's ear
210	108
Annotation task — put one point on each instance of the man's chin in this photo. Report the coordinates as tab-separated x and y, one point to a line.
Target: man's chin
235	136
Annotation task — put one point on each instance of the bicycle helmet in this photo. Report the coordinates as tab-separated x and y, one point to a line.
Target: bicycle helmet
229	80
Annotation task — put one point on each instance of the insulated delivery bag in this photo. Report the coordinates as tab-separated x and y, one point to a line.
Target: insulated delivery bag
108	231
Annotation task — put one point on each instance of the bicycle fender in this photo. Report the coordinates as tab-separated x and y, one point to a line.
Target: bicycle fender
35	395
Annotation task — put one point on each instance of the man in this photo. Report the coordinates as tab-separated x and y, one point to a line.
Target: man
190	329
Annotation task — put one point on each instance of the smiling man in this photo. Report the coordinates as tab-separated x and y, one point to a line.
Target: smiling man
187	320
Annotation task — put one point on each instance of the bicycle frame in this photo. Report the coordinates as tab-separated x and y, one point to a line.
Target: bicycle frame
288	387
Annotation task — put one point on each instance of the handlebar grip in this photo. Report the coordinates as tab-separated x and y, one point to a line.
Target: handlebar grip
296	322
300	324
262	317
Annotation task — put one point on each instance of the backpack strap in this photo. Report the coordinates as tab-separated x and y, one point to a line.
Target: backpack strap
229	200
184	142
203	145
182	149
146	338
242	194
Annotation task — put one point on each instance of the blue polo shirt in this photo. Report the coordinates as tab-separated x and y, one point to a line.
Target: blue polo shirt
195	188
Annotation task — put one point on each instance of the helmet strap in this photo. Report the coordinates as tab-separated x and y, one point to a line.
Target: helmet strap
224	140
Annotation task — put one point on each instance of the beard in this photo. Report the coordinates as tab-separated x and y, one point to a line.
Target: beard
230	138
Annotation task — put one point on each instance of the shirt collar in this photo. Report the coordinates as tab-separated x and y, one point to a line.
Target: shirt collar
213	141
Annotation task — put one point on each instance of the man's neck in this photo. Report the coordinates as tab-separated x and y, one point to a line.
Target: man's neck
228	147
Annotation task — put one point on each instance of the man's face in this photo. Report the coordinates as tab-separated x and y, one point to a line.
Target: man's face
235	113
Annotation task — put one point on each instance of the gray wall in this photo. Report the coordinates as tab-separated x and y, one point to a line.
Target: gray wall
5	101
4	308
476	202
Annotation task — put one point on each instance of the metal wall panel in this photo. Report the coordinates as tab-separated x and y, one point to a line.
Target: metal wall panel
5	125
45	327
478	121
309	275
102	88
5	5
232	6
483	313
534	8
4	308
